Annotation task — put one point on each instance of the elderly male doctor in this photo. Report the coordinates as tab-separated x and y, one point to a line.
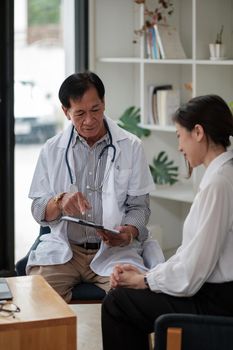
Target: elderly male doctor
96	171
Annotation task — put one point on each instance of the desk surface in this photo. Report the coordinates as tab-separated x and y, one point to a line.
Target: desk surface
45	321
38	302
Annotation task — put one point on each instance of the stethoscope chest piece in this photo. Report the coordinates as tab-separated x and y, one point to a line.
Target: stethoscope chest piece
73	188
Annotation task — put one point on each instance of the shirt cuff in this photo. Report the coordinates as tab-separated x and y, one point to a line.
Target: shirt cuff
38	210
143	232
152	282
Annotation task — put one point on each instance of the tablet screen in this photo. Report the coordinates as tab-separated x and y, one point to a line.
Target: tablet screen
5	292
88	223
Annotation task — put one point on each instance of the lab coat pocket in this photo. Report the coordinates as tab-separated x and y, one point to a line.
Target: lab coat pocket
122	184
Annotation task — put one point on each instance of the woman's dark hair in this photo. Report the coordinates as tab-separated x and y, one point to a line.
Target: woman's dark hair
77	84
212	113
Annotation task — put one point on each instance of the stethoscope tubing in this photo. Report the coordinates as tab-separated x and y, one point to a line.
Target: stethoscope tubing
110	145
66	156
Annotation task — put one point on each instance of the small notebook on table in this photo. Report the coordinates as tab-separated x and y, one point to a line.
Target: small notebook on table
5	292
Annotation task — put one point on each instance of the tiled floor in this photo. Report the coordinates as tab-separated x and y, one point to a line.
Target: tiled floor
88	326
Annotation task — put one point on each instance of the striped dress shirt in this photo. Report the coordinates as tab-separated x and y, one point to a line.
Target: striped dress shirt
90	171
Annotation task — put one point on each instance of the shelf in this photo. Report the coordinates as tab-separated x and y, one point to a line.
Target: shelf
168	128
178	192
210	62
120	60
227	62
163	61
144	60
168	61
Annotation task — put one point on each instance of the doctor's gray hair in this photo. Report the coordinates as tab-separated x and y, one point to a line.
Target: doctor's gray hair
212	113
75	86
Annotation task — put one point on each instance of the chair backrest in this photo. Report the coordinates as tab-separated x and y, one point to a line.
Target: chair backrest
83	293
20	266
193	332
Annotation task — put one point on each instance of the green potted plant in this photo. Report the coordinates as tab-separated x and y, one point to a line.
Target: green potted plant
219	36
130	120
217	49
163	171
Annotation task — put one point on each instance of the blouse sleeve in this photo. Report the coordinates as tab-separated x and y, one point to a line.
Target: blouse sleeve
204	235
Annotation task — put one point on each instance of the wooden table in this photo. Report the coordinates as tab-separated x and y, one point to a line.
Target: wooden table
45	321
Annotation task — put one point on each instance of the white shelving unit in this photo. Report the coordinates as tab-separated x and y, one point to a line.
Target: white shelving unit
179	192
127	73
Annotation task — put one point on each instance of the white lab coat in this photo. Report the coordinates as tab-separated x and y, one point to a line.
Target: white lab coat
129	175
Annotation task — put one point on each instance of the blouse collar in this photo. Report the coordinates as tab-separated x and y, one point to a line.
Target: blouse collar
214	166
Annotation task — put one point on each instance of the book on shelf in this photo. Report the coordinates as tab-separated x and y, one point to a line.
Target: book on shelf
168	101
169	42
155	52
152	101
148	48
152	48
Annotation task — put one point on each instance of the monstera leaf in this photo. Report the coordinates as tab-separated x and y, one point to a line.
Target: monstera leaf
129	121
163	171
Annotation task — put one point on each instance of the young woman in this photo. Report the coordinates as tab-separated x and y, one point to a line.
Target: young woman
198	279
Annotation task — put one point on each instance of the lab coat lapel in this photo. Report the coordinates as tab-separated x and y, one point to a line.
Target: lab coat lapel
111	213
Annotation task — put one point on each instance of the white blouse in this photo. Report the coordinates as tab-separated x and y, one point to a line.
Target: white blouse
206	251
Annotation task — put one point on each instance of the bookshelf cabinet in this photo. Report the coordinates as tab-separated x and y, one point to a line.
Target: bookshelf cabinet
127	73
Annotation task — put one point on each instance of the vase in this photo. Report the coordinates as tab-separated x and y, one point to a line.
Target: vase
217	51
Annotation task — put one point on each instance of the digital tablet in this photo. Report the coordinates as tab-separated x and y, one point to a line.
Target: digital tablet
5	292
88	223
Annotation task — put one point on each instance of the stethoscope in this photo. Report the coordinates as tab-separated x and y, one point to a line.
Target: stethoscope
105	148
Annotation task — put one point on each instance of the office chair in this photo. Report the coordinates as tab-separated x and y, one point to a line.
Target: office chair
193	332
82	293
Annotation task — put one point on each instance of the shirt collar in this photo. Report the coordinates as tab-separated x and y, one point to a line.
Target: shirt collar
214	167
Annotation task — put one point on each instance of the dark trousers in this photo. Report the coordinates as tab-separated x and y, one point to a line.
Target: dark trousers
128	315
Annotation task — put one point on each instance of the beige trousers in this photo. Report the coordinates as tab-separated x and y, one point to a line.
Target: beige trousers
64	277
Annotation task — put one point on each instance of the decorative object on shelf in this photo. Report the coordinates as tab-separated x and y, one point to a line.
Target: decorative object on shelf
130	120
219	36
161	40
163	170
163	9
189	89
189	86
168	42
217	49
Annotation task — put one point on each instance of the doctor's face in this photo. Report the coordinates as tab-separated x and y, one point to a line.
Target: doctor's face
86	114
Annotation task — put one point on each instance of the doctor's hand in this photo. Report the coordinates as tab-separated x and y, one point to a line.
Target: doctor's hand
67	203
74	204
122	239
127	276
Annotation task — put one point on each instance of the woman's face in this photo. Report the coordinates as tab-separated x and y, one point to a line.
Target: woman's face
192	144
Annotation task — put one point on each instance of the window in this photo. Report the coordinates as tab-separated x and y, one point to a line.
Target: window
34	49
39	59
